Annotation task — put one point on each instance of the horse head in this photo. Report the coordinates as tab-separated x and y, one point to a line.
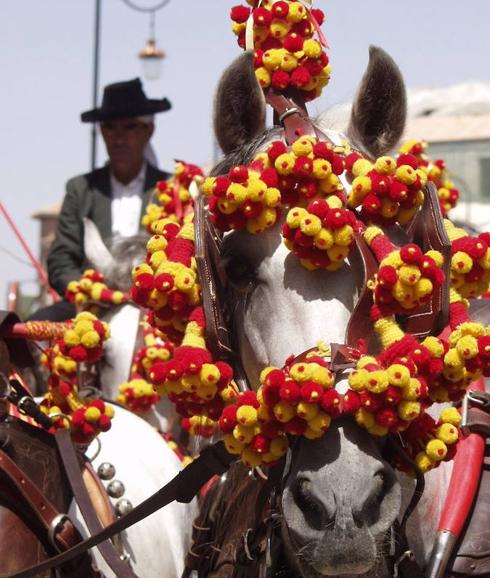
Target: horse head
340	496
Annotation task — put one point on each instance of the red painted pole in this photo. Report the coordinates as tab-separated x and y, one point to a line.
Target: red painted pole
34	261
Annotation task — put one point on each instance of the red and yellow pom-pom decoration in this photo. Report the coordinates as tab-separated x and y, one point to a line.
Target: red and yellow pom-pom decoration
407	278
173	197
92	287
296	400
321	235
386	191
286	53
436	172
167	282
191	379
200	425
470	262
137	395
82	343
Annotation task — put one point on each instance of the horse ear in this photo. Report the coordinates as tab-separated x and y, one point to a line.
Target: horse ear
96	253
379	110
239	107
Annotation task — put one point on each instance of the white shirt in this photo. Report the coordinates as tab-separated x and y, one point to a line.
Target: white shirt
126	205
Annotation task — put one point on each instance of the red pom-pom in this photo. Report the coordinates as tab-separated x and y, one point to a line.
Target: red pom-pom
290	392
262	17
276	149
238	174
300	77
318	15
239	13
351	402
331	402
407	159
411	254
280	9
280	79
293	43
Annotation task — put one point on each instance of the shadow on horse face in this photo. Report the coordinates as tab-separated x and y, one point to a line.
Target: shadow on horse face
339	500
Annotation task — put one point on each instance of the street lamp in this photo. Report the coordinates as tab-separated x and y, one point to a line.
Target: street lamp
151	56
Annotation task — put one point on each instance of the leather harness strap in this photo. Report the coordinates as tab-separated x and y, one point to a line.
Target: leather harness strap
37	506
72	469
214	460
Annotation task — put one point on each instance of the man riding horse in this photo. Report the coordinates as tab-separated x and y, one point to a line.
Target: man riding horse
115	196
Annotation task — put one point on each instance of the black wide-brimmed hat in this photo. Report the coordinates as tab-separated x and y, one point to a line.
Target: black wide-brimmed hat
125	100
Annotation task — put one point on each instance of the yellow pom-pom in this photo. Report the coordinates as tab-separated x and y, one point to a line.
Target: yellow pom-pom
461	262
436	450
320	423
434	345
361	167
324	239
385	165
279	28
243	433
358	379
448	433
246	415
307	411
284	412
279	446
406	174
450	415
90	339
321	169
251	458
232	445
284	163
423	462
364	418
310	225
92	414
209	374
263	77
409	410
312	48
71	338
377	381
467	347
301	371
398	375
302	147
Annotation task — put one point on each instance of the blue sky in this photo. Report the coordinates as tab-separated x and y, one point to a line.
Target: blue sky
46	66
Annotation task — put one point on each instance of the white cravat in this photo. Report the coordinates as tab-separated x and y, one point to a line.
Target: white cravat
126	205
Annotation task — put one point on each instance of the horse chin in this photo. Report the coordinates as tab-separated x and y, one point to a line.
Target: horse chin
332	553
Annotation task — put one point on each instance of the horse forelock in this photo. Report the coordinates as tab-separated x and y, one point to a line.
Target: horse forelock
127	253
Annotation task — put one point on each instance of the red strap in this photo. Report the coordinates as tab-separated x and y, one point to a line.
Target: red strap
464	479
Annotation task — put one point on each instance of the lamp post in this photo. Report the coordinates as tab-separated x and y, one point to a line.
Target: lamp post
95	84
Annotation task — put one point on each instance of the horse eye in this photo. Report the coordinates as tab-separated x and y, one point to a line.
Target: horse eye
239	271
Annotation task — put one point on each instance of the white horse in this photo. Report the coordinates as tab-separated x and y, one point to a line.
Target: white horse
341	496
123	320
144	463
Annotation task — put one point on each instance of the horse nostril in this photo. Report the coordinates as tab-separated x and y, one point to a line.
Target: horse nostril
310	505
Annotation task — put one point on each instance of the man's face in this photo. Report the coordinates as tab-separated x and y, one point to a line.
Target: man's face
125	140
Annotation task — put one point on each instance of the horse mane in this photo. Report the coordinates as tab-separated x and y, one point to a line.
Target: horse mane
127	252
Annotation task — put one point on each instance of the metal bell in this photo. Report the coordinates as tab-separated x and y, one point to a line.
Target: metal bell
116	489
123	507
106	471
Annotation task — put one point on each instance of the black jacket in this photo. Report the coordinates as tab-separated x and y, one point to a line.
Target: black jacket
86	196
